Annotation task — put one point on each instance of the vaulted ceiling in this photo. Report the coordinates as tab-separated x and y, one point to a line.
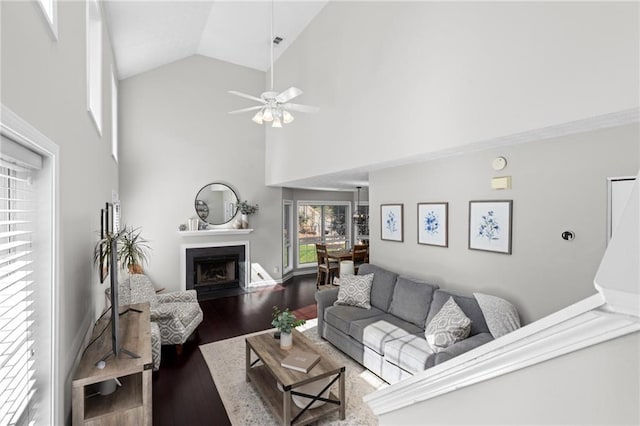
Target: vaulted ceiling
149	34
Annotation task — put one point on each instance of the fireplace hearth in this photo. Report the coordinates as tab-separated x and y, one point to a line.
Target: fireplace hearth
210	270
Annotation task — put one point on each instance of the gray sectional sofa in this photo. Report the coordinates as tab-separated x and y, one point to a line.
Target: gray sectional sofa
389	339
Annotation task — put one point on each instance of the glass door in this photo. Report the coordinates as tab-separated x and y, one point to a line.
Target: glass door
321	222
287	236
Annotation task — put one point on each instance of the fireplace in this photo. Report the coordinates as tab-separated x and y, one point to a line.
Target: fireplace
210	270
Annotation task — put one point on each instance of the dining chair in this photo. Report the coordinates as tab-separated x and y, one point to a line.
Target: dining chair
325	266
360	255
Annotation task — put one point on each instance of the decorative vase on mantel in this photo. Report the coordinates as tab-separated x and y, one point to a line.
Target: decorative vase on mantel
286	341
244	220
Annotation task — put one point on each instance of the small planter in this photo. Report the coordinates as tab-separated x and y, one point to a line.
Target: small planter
244	220
286	341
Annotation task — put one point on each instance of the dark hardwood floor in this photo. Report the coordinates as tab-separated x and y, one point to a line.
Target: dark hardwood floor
183	390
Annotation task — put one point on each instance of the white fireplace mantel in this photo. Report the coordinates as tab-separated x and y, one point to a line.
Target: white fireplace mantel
214	232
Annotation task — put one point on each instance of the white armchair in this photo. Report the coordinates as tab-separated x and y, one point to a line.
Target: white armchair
177	313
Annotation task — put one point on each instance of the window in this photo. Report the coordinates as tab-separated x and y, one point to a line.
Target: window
114	116
321	222
17	307
94	63
30	389
50	10
287	236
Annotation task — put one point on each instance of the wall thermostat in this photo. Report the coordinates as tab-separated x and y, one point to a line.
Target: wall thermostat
499	163
568	235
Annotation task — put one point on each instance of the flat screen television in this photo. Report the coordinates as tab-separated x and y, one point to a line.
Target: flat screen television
116	346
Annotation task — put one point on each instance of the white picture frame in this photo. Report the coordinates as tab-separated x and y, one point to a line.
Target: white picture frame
433	224
490	225
391	222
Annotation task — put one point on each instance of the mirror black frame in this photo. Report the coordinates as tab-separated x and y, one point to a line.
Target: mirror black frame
200	206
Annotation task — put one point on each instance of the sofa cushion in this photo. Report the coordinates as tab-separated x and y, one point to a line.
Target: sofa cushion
383	284
355	290
376	331
501	316
469	306
341	316
411	300
447	327
412	353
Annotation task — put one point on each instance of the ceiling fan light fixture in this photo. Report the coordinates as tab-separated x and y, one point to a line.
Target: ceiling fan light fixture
258	117
287	117
268	115
272	103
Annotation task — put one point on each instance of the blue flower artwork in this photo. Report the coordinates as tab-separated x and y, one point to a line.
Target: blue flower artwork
432	223
489	227
392	222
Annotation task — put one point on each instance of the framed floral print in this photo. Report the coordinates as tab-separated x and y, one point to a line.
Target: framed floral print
391	216
433	224
490	225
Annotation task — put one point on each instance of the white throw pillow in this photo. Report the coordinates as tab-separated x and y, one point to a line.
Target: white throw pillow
447	327
501	316
355	290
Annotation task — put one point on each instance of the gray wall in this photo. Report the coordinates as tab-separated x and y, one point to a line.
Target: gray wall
595	386
44	82
558	184
177	136
395	80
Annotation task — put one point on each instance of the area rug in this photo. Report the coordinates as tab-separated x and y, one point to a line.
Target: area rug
226	359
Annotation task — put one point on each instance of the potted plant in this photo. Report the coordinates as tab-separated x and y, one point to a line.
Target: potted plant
102	253
133	250
245	210
285	321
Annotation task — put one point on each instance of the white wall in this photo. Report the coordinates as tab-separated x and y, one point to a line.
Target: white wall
177	136
44	82
558	184
400	80
595	386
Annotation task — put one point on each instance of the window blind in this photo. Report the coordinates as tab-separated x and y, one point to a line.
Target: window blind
17	371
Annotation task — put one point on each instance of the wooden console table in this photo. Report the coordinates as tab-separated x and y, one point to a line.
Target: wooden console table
130	404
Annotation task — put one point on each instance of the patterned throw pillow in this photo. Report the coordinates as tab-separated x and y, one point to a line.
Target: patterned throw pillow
355	290
447	327
501	316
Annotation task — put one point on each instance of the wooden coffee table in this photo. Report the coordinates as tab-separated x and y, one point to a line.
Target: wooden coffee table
264	371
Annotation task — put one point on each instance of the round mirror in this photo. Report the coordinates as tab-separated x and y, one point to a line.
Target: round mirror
216	203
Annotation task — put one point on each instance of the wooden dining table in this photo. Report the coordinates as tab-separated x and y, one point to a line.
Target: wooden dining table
339	255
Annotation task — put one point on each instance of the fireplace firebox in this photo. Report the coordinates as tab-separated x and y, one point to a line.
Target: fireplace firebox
212	269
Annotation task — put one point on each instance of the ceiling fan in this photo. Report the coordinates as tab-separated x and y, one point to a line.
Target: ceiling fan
274	107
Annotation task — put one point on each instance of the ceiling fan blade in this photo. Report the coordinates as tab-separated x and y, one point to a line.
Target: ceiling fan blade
244	95
253	108
301	108
288	94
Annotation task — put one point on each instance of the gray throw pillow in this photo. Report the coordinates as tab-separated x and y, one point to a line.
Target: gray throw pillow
355	290
411	300
447	327
501	316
